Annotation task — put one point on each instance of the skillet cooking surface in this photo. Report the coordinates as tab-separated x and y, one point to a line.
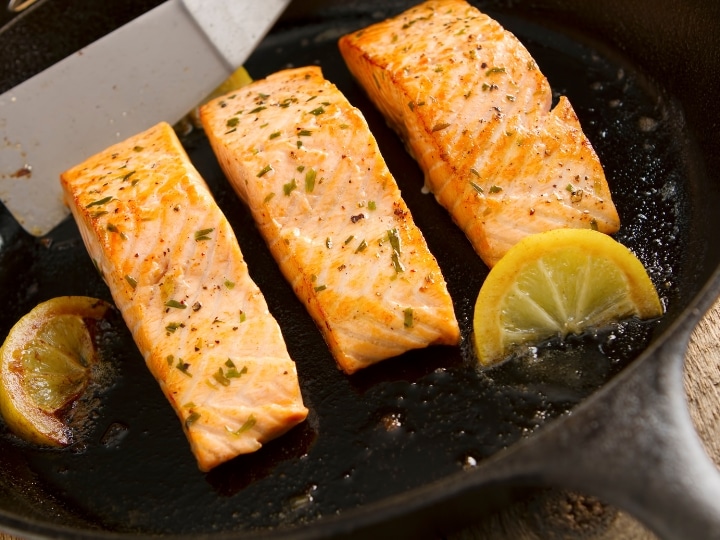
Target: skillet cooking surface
395	426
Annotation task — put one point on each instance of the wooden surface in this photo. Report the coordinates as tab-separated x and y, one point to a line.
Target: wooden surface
556	514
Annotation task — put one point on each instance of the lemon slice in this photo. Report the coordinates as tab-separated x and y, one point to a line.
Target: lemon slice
239	78
556	283
45	365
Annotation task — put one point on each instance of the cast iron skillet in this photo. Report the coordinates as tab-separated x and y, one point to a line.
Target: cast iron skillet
425	441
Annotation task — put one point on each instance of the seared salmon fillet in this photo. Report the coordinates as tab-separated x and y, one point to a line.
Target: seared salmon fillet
305	163
177	275
474	110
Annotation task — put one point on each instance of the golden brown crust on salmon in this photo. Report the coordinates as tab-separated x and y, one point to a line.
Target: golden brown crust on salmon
304	161
474	110
176	272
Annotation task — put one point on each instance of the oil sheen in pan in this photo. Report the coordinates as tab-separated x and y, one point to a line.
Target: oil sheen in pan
393	427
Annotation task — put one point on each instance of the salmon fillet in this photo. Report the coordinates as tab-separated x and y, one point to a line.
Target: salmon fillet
474	110
304	161
176	272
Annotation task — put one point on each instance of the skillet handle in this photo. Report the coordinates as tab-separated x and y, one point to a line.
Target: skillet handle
635	448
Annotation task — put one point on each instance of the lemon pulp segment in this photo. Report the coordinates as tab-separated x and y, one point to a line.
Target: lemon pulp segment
239	78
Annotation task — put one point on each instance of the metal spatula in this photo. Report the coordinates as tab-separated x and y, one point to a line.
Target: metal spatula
157	67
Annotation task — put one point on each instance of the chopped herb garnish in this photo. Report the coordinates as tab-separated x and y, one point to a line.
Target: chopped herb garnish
170	359
328	242
232	372
440	126
192	418
371	205
174	326
361	247
175	304
229	284
495	70
300	168
396	262
232	122
99	213
266	169
202	234
113	229
274	135
104	200
126	177
268	197
243	317
183	367
594	224
495	189
249	423
132	281
474	171
408	317
304	133
289	187
310	180
138	148
299	143
349	239
476	187
394	238
318	111
258	109
220	377
320	288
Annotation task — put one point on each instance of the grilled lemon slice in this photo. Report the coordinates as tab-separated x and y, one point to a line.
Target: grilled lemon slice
45	365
